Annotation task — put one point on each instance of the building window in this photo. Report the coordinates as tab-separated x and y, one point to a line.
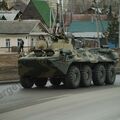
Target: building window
18	42
7	43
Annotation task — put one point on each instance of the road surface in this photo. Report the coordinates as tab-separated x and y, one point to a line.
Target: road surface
93	103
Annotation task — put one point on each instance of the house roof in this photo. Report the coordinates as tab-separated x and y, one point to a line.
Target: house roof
38	10
43	9
88	17
87	34
9	15
87	26
1	17
18	27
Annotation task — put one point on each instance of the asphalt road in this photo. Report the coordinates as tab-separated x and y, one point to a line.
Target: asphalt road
93	103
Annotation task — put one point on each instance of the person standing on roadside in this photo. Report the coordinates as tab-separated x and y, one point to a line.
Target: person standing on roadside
21	45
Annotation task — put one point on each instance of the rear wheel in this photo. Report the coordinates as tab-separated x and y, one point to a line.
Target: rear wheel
86	76
99	75
110	74
26	82
73	76
55	81
41	82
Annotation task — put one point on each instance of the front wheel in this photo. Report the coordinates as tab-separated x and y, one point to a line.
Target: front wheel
73	76
26	82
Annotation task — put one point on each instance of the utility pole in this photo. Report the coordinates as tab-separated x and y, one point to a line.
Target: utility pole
50	20
61	13
97	21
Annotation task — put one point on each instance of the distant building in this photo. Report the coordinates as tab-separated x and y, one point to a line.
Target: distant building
11	32
88	29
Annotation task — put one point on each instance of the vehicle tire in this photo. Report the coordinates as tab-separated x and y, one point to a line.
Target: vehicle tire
73	76
110	74
41	82
99	75
55	81
86	76
26	82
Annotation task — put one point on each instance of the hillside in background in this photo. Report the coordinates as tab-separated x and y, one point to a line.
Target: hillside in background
78	6
74	6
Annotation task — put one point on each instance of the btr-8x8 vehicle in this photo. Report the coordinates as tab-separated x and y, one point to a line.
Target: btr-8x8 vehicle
62	63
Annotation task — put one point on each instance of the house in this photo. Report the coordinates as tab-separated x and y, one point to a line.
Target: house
38	10
88	29
11	32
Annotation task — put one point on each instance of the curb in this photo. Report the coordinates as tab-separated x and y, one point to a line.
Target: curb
9	81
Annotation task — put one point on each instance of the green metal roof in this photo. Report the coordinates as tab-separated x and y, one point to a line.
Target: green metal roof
87	26
43	9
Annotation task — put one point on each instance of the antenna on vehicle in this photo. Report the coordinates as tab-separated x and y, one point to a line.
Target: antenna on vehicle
59	26
97	20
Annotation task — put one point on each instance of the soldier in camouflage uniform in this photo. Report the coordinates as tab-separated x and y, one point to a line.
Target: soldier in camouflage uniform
41	43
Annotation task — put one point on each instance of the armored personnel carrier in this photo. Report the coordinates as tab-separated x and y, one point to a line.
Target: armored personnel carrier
62	63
